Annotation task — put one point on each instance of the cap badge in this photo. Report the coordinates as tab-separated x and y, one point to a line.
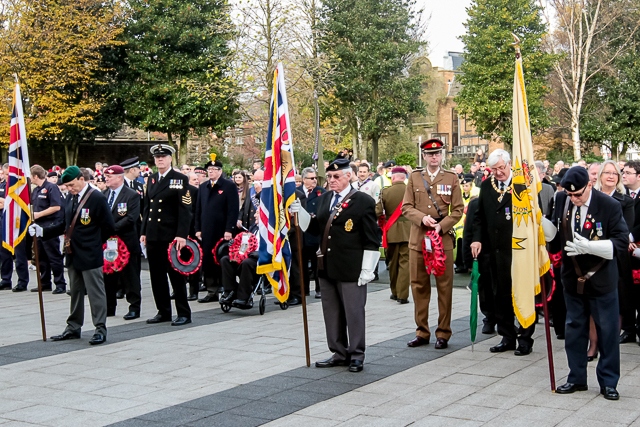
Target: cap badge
573	188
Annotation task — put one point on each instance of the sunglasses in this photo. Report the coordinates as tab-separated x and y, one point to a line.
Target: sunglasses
334	176
577	195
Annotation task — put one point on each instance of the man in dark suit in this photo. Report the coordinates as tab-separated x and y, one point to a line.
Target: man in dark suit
492	232
591	231
87	225
631	306
124	204
167	216
216	216
312	193
348	256
47	211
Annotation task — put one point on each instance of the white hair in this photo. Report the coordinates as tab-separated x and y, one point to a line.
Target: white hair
619	186
496	155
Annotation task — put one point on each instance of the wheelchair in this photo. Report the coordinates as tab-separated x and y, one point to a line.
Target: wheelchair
259	288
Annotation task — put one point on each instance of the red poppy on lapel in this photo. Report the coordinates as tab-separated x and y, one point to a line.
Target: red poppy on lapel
318	193
153	181
220	191
345	205
587	225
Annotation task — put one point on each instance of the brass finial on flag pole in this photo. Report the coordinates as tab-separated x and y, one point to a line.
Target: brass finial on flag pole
516	45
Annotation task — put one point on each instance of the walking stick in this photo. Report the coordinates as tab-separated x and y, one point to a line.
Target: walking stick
302	292
547	330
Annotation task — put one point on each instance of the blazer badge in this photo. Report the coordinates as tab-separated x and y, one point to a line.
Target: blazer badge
348	226
85	219
122	209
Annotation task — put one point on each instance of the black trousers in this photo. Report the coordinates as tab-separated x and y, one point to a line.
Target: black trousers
22	267
309	257
127	279
246	270
211	271
159	269
485	291
51	261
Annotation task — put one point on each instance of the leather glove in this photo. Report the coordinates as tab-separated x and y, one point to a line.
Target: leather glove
582	246
549	229
35	230
369	262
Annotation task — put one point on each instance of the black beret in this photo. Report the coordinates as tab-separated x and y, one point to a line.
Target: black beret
339	164
467	178
50	174
390	164
576	178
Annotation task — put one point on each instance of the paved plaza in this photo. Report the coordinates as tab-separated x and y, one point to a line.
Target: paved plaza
243	369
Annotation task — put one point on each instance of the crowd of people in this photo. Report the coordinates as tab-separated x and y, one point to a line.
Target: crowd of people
430	221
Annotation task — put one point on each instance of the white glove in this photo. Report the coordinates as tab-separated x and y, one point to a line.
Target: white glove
581	246
35	230
549	229
295	206
303	216
369	262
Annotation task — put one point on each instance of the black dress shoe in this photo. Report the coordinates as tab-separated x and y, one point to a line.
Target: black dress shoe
294	301
5	287
192	297
523	351
66	335
356	366
172	296
97	339
609	393
181	321
131	315
502	347
560	336
210	298
19	289
158	318
417	342
228	297
626	337
393	297
488	329
47	288
461	270
243	304
58	291
441	344
318	295
592	358
120	294
569	388
331	362
403	300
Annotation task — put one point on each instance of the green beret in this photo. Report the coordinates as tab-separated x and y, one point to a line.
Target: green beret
71	173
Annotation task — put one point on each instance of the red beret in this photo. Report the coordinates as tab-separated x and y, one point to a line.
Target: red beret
399	169
114	170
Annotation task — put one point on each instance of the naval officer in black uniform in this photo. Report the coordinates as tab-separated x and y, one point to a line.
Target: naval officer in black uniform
591	231
87	225
349	252
167	217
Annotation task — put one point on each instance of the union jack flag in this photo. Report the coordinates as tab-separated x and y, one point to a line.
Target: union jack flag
278	192
17	204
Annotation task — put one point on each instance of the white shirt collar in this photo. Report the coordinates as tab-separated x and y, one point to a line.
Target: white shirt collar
84	190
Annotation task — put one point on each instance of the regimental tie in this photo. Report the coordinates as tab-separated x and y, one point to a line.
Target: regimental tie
335	201
111	198
577	220
74	204
501	186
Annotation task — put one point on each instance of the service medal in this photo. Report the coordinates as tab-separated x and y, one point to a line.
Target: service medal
348	226
85	219
122	209
507	214
599	228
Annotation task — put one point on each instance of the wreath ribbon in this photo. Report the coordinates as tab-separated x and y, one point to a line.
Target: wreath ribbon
118	264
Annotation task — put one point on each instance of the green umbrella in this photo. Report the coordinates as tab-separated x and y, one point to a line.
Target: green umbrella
473	315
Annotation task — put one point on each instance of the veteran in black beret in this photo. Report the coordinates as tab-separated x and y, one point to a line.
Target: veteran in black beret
590	232
87	225
167	218
349	252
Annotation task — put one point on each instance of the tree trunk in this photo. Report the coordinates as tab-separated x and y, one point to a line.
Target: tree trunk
575	137
183	151
374	150
173	144
71	153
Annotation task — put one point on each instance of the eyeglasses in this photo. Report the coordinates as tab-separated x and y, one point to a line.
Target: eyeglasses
334	176
610	173
501	168
629	173
577	195
311	177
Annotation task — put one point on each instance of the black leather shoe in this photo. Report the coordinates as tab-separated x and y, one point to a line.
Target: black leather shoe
243	304
626	337
181	321
569	388
523	351
18	289
318	295
356	366
441	344
560	336
228	297
294	301
158	318
403	300
393	297
66	335
331	362
120	294
5	287
610	393
502	347
97	339
172	296
48	288
131	315
210	298
592	358
192	297
488	329
417	342
58	291
461	270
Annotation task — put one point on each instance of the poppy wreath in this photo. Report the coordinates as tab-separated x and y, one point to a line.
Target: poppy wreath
216	251
185	267
636	277
110	267
434	261
234	247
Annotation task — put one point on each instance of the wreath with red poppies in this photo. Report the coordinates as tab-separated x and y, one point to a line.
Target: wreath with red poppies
434	261
215	250
235	246
636	277
118	264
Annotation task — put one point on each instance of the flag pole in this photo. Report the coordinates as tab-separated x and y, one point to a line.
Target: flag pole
37	259
303	294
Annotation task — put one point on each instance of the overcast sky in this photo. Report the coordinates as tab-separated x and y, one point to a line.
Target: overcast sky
444	27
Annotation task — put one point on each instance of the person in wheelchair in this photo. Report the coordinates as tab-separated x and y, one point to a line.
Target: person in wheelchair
239	294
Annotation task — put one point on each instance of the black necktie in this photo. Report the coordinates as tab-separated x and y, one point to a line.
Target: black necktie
633	194
501	186
577	220
74	204
111	198
335	201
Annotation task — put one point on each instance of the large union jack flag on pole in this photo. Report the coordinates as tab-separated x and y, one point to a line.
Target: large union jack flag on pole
17	205
278	192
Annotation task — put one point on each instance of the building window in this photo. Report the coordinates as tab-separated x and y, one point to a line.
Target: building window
455	141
